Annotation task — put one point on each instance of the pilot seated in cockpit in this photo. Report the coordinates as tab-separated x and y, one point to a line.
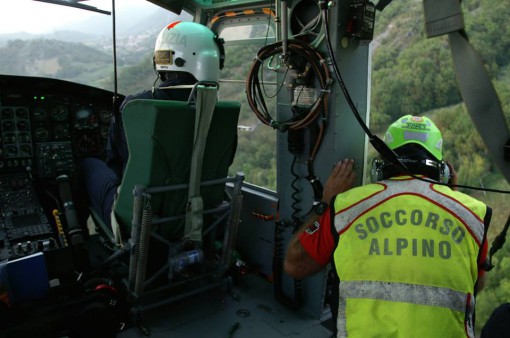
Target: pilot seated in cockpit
175	63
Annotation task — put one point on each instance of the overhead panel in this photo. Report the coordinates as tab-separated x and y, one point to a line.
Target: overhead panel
76	4
174	6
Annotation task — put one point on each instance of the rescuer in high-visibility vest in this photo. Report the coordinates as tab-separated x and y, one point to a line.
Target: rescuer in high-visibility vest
407	250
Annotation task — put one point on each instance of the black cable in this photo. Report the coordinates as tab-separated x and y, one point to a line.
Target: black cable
254	91
55	199
324	7
278	256
376	142
296	210
458	185
301	117
389	154
497	244
117	101
114	37
263	88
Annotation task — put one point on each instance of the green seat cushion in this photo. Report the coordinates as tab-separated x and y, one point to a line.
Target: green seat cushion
160	141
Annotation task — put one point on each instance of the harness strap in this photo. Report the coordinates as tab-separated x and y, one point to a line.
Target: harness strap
205	103
481	99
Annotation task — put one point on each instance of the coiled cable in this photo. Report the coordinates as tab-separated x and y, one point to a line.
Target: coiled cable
296	192
254	87
278	256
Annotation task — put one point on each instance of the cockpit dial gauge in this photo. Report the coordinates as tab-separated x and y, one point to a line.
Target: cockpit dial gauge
10	138
25	150
11	151
21	113
61	132
8	125
24	137
84	118
40	114
22	125
59	113
41	134
7	113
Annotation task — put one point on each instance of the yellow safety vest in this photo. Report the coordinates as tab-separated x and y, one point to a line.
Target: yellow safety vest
407	259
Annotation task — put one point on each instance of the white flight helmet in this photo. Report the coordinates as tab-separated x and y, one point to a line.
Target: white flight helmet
189	47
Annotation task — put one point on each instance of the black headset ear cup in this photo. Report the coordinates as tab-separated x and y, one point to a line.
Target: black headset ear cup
444	172
221	46
376	172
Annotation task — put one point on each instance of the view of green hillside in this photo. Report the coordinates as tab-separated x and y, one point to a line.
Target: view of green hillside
54	58
410	75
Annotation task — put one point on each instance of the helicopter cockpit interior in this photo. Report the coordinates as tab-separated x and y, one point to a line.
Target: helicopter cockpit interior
47	125
294	112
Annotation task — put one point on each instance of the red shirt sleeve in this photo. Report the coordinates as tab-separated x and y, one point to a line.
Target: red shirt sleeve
483	258
317	239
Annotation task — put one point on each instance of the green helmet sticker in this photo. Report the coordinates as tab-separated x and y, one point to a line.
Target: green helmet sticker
415	129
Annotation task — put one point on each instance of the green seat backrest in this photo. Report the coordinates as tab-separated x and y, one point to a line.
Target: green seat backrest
160	140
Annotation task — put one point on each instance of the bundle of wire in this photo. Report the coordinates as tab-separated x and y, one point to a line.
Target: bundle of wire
254	91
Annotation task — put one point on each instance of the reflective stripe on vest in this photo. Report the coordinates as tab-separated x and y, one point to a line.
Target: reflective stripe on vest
474	224
407	293
399	292
417	247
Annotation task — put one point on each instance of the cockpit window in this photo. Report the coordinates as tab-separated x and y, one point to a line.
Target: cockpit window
47	40
39	39
256	151
245	32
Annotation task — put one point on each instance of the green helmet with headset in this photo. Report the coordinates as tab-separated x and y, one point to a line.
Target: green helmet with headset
419	130
418	144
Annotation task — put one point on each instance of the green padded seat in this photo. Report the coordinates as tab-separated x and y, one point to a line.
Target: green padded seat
160	141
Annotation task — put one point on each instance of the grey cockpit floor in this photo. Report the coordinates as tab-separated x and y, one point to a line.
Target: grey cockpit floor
215	314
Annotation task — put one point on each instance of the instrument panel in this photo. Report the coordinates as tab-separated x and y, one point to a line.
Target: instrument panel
48	124
46	127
